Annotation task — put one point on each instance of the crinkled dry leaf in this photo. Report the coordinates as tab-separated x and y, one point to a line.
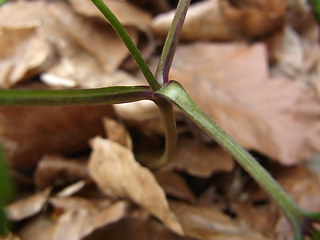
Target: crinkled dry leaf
29	133
37	227
117	132
262	214
199	159
138	111
267	115
23	51
128	14
27	207
97	38
117	174
75	224
207	223
254	18
57	170
50	35
134	228
204	21
66	204
72	189
221	20
174	185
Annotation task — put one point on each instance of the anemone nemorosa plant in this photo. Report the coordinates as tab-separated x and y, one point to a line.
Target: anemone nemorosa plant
165	94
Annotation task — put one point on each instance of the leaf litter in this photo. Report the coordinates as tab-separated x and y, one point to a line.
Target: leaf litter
251	65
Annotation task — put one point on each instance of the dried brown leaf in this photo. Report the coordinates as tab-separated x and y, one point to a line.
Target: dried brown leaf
135	229
207	223
97	38
174	185
51	37
117	174
128	14
204	21
262	214
27	207
79	222
38	227
72	189
225	20
29	133
199	159
254	18
117	132
56	170
24	52
276	117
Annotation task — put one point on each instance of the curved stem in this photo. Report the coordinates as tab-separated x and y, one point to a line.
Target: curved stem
123	34
110	95
162	73
176	94
99	96
169	122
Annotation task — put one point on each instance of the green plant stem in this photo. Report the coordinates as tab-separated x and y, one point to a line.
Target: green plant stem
6	192
100	96
110	95
162	73
123	34
169	123
176	94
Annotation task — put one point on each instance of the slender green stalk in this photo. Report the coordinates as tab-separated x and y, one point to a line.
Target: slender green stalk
168	51
123	34
175	93
6	192
110	95
169	123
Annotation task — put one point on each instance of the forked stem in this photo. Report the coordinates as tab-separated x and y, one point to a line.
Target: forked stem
123	34
170	45
297	217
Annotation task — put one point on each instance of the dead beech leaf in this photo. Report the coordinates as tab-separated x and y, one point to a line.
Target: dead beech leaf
72	189
263	215
135	228
51	37
252	18
97	38
117	132
81	220
37	227
207	223
204	21
27	207
174	185
117	174
29	133
128	14
267	115
55	170
199	159
23	52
